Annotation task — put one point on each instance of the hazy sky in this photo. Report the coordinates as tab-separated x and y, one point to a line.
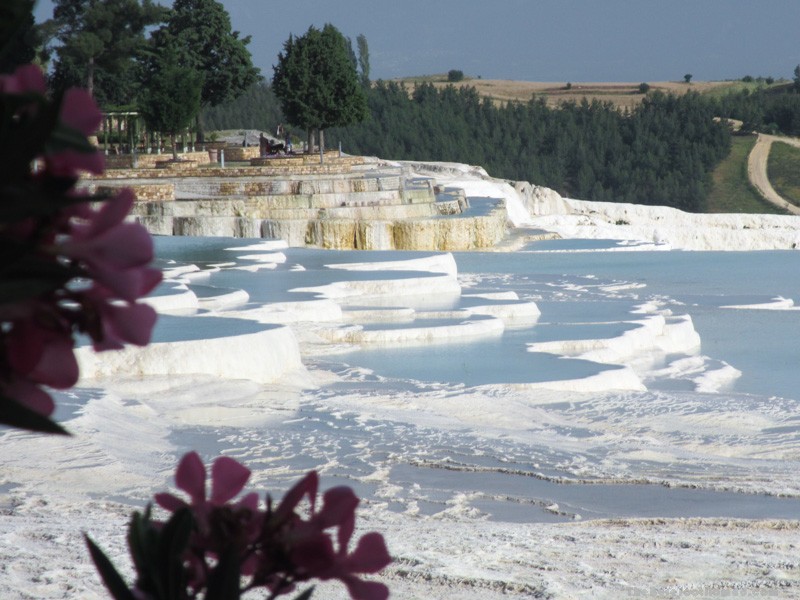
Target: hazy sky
540	40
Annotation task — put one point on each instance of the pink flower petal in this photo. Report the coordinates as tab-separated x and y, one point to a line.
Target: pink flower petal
345	532
42	355
250	502
228	478
124	246
123	323
27	78
339	505
148	280
316	555
79	111
58	367
169	502
370	555
306	486
191	477
365	590
31	396
111	213
133	323
128	284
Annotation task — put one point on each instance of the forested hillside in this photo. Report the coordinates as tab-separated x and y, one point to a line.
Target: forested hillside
256	108
662	152
766	110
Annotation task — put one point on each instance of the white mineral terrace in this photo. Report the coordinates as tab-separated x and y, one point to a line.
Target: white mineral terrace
519	422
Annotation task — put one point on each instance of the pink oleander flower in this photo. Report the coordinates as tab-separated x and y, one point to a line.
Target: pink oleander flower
29	394
116	253
117	323
311	548
277	548
78	112
27	78
220	525
70	268
228	478
42	355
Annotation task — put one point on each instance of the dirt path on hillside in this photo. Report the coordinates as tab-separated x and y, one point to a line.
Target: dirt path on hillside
757	170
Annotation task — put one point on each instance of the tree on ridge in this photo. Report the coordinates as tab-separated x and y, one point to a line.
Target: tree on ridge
18	34
202	33
317	84
100	42
171	95
363	58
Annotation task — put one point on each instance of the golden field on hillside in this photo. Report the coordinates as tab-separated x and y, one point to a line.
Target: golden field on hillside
621	94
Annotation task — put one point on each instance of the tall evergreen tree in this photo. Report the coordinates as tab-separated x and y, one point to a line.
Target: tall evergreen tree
171	95
209	46
18	34
100	40
317	83
363	58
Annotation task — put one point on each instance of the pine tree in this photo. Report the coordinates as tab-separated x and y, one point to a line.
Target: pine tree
172	93
201	29
317	83
101	41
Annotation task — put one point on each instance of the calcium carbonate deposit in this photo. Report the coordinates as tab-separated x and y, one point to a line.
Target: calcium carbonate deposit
605	415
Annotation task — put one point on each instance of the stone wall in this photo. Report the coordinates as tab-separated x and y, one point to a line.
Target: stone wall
148	161
293	160
161	192
241	153
227	172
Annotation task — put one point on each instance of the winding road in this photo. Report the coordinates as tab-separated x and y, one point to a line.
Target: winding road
757	170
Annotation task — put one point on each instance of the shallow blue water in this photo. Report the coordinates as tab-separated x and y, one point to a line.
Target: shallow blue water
745	437
762	344
574	290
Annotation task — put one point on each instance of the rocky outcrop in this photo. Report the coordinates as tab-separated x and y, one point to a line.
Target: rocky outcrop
539	200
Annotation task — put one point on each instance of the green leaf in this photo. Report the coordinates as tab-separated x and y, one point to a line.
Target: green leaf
143	544
65	138
14	414
111	577
23	200
22	289
172	547
223	582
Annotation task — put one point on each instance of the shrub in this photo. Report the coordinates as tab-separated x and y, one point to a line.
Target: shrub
454	75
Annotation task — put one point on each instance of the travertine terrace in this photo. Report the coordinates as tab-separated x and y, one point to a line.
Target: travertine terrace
343	202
